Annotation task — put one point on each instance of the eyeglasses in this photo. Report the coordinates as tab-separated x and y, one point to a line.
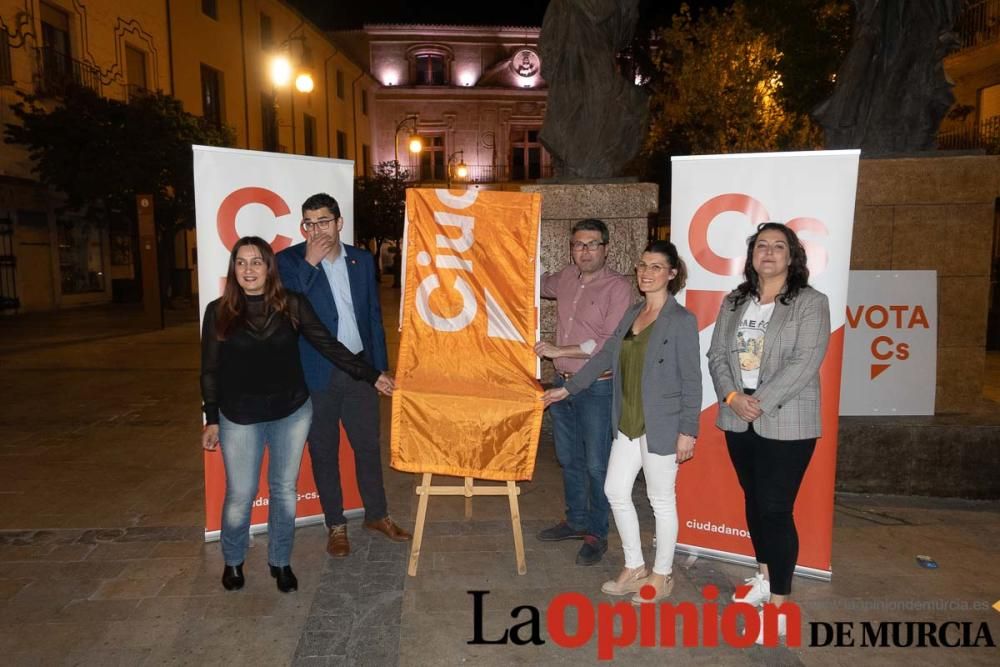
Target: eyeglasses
592	246
321	224
642	267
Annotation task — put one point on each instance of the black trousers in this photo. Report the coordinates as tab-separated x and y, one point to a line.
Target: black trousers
354	402
770	472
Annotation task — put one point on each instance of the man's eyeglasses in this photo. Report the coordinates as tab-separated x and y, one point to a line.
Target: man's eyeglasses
592	246
321	224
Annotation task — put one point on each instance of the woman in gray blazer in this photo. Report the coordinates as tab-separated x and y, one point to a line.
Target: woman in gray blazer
769	341
655	409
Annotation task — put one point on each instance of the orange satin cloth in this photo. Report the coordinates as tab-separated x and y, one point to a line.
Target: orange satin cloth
466	400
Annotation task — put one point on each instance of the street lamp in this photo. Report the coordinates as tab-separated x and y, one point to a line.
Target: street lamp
282	73
415	144
458	170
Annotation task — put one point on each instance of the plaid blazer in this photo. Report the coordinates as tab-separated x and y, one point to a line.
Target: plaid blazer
788	390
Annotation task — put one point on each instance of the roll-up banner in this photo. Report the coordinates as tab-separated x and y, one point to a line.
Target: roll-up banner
717	202
467	395
251	193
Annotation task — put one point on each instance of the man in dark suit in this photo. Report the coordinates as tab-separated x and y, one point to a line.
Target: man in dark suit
339	281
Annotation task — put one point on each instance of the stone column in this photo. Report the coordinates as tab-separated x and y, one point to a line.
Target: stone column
625	207
936	213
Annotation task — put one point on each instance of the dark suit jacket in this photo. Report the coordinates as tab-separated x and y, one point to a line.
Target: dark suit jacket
671	375
298	275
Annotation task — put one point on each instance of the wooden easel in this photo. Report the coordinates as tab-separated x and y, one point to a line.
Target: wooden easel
425	490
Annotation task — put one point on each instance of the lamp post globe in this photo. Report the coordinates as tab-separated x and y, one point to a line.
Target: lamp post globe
281	70
304	83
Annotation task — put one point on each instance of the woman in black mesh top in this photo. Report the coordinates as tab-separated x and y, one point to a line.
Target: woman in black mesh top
254	393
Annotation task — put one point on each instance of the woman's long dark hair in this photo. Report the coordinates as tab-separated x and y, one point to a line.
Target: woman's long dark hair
233	304
669	250
798	272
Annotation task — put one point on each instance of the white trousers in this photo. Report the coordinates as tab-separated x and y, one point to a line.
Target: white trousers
628	456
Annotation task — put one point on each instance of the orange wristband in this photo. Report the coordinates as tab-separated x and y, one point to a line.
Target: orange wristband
729	396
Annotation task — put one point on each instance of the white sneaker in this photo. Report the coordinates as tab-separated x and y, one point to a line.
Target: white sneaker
782	627
759	593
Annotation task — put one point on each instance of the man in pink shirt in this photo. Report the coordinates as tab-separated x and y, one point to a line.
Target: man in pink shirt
591	300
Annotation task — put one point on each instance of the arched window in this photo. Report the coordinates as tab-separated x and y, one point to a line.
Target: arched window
430	66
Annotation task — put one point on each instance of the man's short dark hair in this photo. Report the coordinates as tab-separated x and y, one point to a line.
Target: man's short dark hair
593	225
321	200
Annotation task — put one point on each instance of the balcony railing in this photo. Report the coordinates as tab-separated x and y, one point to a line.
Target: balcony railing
984	135
58	72
490	173
979	23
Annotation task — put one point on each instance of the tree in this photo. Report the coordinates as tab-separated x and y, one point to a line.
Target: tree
379	205
101	153
717	88
813	37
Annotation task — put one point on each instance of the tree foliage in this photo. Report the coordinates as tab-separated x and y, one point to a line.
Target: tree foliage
101	153
813	37
718	88
380	203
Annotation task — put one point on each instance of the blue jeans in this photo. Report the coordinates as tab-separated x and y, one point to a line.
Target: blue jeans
242	452
581	426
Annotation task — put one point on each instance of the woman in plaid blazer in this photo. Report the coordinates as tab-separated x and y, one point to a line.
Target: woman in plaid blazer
769	341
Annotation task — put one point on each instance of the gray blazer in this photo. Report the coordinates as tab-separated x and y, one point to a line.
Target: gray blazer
671	375
788	389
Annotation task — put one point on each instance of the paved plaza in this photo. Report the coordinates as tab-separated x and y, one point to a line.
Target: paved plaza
102	560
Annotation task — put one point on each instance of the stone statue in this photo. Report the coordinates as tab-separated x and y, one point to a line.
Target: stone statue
595	118
891	92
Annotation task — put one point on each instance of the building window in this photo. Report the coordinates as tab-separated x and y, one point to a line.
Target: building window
6	75
211	95
81	257
341	145
309	133
266	32
430	70
366	160
210	8
135	70
364	102
340	84
525	154
432	159
989	99
268	123
57	60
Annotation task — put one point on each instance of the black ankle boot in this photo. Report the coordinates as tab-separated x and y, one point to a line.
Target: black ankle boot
232	577
285	578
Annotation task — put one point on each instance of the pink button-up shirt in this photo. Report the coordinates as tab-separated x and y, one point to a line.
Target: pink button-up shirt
586	311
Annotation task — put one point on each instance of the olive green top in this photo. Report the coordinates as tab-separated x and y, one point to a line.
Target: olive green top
633	421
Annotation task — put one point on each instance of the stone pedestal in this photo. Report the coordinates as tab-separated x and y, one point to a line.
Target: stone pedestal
936	213
625	207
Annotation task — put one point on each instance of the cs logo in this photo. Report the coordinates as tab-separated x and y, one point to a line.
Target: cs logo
226	217
755	213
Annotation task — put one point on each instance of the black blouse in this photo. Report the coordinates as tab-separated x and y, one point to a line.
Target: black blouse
255	374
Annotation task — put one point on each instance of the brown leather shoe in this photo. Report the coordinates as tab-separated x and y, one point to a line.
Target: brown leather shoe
389	528
337	545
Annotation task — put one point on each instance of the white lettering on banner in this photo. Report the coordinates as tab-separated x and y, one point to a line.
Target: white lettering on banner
722	529
461	244
463	222
499	324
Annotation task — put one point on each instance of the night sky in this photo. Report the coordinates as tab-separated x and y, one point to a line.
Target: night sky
340	14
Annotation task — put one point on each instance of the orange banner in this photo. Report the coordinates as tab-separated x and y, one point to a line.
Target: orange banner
467	398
